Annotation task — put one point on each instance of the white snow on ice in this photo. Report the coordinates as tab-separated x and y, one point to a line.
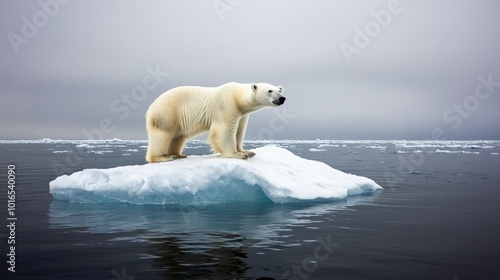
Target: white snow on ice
274	174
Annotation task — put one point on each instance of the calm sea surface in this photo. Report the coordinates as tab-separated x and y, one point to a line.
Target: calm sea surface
438	217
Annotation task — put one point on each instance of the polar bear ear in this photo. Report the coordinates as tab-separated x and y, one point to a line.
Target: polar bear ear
254	87
280	88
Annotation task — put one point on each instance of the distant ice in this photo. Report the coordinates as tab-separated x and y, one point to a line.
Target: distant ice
274	174
316	150
191	147
100	152
101	147
374	144
327	145
59	152
439	151
374	147
321	147
450	145
85	145
113	142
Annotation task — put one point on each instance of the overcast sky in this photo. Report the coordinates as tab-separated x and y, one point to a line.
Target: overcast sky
350	69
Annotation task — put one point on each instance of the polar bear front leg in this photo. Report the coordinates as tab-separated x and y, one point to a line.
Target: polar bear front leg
222	137
240	135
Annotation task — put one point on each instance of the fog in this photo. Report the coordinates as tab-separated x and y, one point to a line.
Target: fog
350	69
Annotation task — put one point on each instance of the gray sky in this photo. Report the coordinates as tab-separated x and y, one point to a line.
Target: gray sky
76	70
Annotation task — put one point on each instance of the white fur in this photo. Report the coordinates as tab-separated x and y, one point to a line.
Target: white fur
184	112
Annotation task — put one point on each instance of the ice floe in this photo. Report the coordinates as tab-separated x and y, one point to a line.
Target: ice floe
274	174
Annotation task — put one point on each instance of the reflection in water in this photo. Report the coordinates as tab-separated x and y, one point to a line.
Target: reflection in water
185	256
191	241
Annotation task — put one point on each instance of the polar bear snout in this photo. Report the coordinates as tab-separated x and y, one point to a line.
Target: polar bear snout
280	101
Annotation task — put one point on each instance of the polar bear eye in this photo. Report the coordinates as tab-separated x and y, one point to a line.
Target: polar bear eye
270	91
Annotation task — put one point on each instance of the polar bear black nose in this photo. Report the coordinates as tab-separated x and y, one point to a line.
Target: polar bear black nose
282	100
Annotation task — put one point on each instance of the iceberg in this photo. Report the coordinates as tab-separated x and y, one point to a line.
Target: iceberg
274	175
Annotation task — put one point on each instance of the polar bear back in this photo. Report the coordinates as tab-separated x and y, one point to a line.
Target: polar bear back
195	108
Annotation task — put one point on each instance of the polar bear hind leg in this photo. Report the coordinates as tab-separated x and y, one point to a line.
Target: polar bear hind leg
160	145
176	147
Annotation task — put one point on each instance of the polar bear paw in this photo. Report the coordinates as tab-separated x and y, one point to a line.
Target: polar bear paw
178	156
242	155
249	153
164	158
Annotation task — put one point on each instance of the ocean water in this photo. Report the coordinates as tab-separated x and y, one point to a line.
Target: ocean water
438	217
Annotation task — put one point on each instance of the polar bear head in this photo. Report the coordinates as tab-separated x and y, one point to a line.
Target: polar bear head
268	95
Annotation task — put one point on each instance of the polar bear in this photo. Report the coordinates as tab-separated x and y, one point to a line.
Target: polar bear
186	111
